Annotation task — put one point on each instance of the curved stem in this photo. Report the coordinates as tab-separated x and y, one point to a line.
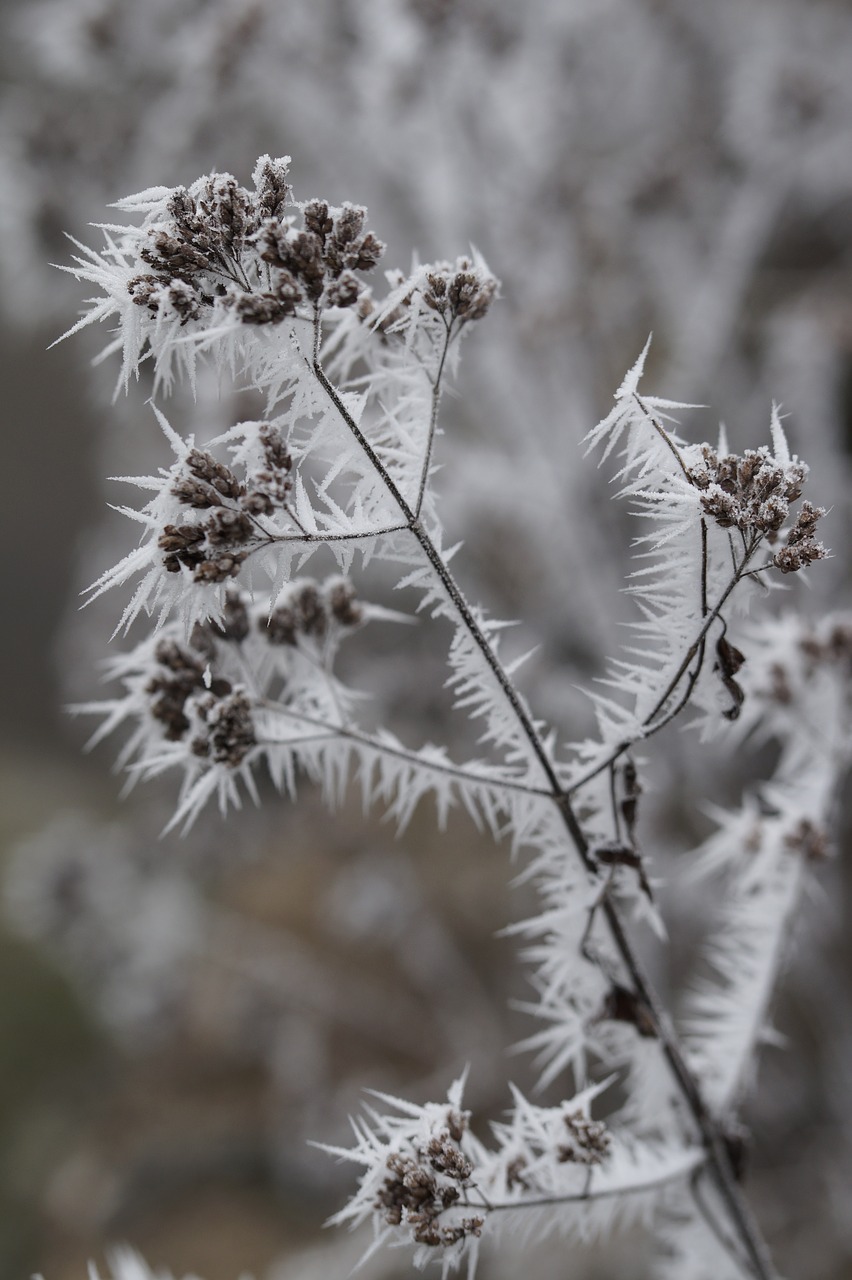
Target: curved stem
696	649
433	420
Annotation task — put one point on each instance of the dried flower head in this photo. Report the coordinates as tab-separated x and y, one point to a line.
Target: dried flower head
751	492
459	291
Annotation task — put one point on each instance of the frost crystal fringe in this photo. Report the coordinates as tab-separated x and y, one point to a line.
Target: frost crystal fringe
238	673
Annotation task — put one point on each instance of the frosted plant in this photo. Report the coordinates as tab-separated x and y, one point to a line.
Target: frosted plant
724	162
238	674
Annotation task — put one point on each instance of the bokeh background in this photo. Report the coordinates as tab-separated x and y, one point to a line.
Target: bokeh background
178	1017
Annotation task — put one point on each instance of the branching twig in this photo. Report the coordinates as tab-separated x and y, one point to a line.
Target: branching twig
710	1134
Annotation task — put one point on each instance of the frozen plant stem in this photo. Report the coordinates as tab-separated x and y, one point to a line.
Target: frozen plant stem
230	679
696	650
714	1143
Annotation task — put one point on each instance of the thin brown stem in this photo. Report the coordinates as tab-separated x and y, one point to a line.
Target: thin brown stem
650	724
433	420
330	730
664	435
613	799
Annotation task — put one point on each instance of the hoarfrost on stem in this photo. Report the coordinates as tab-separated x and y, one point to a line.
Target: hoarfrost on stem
238	673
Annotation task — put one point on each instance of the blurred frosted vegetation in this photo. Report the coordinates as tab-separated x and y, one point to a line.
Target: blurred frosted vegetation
624	167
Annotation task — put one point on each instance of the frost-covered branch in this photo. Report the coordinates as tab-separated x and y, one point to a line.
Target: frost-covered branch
797	695
239	670
430	1183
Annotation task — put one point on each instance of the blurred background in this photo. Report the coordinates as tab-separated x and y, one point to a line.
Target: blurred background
179	1016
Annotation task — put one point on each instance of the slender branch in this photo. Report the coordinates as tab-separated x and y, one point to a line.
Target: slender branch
700	652
433	420
613	799
709	618
719	1160
296	521
330	730
324	735
579	1197
661	431
587	1195
731	1246
713	1142
318	539
761	568
356	535
696	649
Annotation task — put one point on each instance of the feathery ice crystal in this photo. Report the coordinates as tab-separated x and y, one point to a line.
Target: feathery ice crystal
237	673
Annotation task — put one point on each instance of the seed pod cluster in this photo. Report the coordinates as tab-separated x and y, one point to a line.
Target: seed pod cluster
801	547
215	547
460	291
421	1186
318	262
190	698
588	1141
227	729
752	492
184	695
309	610
225	242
